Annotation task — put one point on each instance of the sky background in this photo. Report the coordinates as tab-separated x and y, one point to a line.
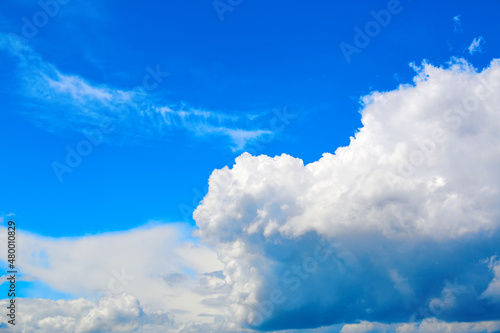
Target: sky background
262	77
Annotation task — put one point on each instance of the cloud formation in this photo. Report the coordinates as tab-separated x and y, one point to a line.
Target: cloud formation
83	105
397	232
402	225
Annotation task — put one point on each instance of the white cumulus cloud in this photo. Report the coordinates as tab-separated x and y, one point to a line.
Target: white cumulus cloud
394	227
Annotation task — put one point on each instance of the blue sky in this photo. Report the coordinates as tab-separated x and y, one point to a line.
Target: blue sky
170	91
261	57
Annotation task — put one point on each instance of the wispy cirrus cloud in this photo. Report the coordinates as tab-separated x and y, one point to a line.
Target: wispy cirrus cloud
70	101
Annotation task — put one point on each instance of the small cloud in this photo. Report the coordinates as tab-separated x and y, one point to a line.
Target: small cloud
476	45
362	327
457	24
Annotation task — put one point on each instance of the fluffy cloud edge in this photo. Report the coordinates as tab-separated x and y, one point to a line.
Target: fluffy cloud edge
404	190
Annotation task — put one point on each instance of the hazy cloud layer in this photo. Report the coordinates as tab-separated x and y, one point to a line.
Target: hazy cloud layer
162	266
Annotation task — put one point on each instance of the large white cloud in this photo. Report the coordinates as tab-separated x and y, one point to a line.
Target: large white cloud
398	232
400	225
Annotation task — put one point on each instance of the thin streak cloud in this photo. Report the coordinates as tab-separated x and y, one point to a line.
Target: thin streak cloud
78	104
